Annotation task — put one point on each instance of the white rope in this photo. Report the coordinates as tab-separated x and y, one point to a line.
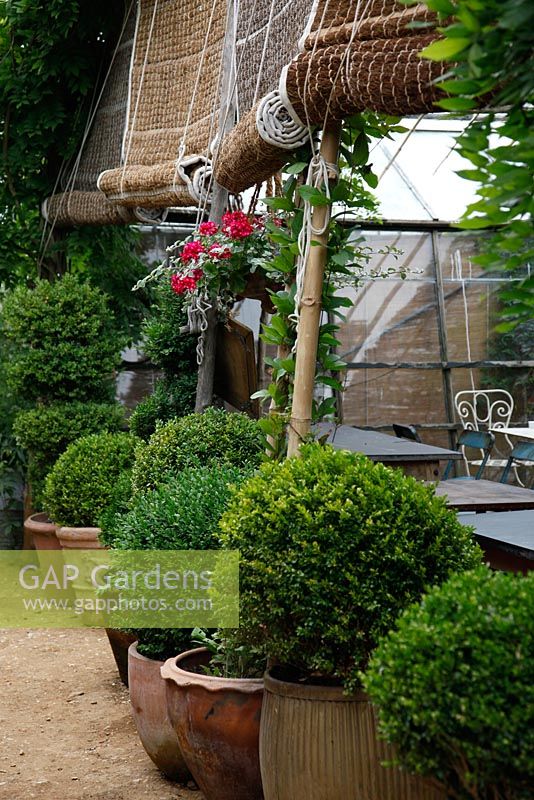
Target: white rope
264	51
141	81
183	138
457	274
276	126
198	322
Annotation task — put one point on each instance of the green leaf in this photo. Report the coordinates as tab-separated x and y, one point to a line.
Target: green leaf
295	169
279	203
314	196
445	49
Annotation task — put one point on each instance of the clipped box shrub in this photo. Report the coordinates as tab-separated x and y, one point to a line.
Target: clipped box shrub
46	431
332	549
214	437
182	514
62	342
454	686
82	482
172	397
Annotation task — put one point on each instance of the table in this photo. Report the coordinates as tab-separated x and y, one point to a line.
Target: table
419	460
506	539
522	433
485	496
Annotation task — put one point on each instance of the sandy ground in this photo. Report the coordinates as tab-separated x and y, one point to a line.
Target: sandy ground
65	724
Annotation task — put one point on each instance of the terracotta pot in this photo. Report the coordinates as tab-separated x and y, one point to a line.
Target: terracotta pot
120	641
217	722
79	538
42	531
317	743
149	709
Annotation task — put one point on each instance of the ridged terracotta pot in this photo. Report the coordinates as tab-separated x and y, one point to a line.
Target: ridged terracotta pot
120	641
42	531
318	744
79	538
217	721
149	709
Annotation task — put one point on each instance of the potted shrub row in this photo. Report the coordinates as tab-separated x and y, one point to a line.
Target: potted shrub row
181	486
333	549
62	347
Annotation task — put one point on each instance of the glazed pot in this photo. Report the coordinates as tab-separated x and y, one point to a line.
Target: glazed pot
79	538
42	531
149	709
317	743
120	641
217	723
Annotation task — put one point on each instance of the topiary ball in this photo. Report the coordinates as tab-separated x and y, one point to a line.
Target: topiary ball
82	481
214	437
332	549
454	685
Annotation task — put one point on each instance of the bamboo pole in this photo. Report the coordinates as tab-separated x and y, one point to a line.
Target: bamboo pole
310	309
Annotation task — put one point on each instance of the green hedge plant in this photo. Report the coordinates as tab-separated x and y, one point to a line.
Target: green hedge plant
174	354
214	437
455	690
62	342
82	482
332	549
172	397
46	431
180	515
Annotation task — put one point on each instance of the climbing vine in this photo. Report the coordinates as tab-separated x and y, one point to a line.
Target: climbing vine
347	263
53	55
490	43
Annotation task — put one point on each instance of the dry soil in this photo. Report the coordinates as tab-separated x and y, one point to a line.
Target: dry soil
65	727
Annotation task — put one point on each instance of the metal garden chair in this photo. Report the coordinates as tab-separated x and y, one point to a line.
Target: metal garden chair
479	440
521	452
484	410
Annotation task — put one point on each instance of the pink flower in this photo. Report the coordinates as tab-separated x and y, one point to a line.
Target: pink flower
207	228
191	251
197	273
180	284
236	225
278	221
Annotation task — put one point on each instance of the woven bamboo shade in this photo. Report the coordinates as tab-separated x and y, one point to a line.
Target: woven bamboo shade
80	202
355	55
267	39
174	90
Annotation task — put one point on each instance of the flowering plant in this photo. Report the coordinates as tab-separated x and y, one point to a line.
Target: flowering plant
215	263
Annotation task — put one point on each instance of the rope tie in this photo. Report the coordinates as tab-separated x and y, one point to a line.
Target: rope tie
320	172
276	126
197	322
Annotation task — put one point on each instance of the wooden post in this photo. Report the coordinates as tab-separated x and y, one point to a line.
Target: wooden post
310	309
206	370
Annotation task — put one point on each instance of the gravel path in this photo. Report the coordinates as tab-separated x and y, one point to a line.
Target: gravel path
65	724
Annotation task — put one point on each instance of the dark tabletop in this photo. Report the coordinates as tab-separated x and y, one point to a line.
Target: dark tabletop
381	446
485	495
513	531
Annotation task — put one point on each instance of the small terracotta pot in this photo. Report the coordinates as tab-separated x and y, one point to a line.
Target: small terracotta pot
79	538
42	531
217	721
149	709
317	742
120	641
